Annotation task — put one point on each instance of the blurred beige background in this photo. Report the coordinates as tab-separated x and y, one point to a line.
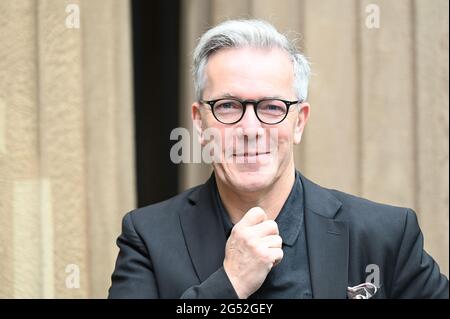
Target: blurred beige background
378	128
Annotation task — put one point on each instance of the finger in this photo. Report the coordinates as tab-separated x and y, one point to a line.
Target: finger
266	228
276	254
253	216
272	241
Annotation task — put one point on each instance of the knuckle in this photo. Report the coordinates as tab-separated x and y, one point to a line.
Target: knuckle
273	226
239	230
280	253
239	227
250	241
236	232
241	236
279	240
267	258
261	252
258	212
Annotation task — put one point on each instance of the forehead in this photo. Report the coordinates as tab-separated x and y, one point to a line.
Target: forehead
249	73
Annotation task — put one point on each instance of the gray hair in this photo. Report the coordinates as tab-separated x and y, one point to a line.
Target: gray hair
247	33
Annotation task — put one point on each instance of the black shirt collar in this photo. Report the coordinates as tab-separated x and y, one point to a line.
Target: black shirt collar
289	220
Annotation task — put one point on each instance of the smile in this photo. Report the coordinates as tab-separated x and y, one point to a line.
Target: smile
248	154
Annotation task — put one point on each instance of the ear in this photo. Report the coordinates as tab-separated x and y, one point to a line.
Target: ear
197	121
302	118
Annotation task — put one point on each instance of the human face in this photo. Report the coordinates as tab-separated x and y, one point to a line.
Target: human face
267	153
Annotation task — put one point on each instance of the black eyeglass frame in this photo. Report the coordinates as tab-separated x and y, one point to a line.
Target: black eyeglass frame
255	104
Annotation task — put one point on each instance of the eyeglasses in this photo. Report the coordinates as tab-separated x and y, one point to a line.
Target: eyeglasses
232	110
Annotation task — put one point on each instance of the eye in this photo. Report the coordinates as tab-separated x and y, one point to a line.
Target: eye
227	106
272	107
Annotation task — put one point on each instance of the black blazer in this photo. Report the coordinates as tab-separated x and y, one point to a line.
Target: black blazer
175	249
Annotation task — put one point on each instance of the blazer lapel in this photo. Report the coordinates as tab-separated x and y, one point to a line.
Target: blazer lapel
327	242
327	238
203	231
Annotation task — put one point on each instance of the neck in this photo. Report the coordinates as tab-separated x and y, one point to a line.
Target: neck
271	199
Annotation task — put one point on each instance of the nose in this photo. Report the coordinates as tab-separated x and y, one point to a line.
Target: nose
249	119
250	126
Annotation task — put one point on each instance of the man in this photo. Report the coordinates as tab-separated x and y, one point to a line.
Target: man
258	228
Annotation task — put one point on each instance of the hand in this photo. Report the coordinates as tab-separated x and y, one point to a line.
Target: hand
252	249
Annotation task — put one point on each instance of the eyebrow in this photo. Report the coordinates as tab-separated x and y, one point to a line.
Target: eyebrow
228	95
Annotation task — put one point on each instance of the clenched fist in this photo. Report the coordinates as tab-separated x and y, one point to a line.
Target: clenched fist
252	249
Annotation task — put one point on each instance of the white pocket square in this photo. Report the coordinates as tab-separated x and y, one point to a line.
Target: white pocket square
363	291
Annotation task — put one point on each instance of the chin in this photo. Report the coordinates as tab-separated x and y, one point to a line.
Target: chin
252	180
